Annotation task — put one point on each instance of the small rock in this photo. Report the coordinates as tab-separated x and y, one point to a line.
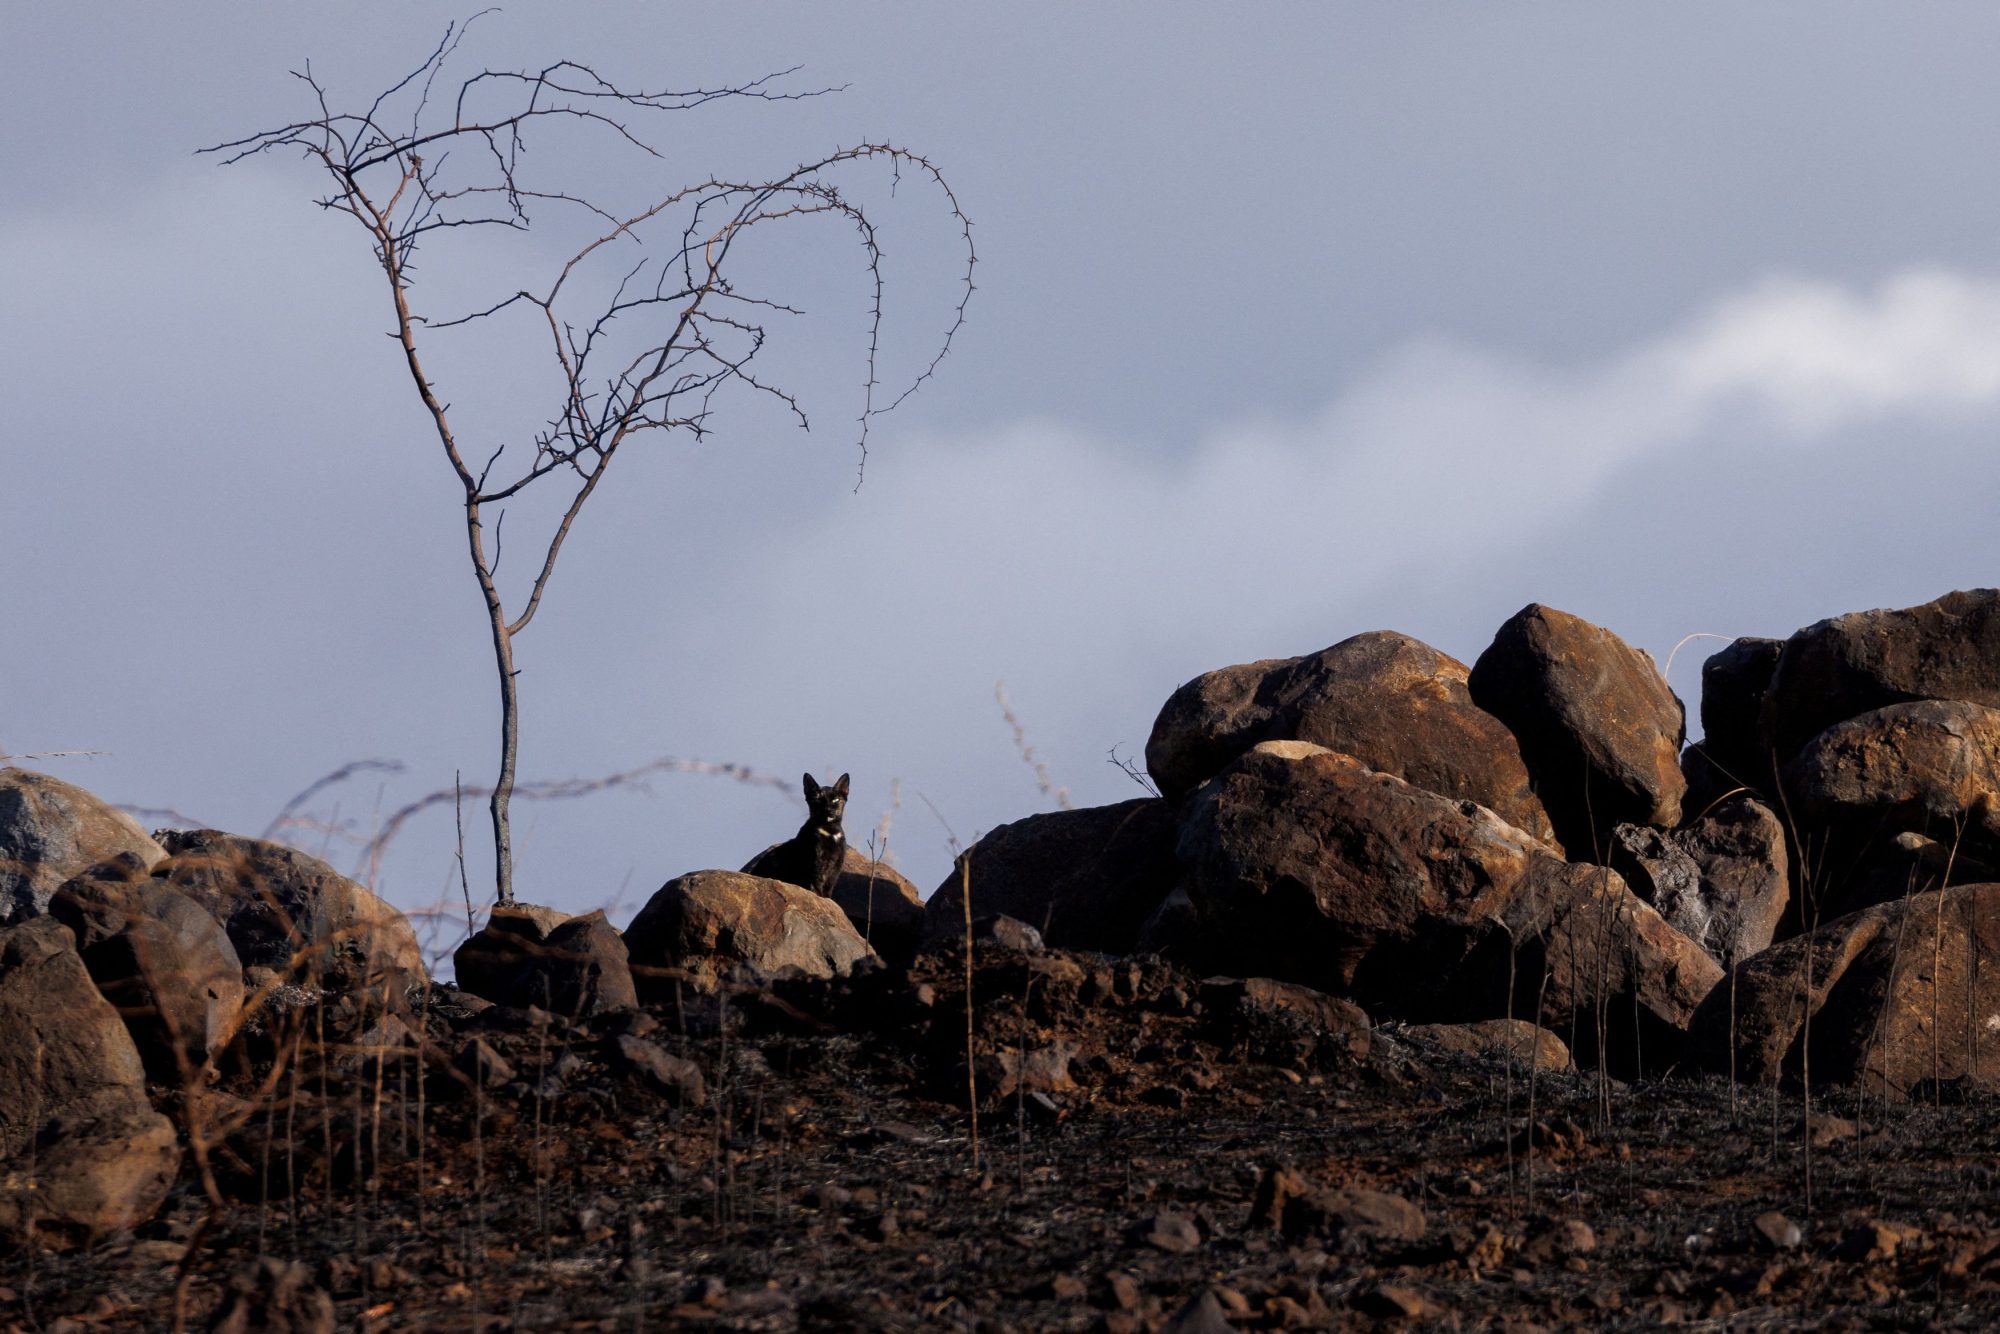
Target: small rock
1353	1213
1121	1292
1777	1231
1007	933
1065	1288
482	1066
1573	1236
1872	1240
1393	1301
273	1296
1276	1186
1168	1231
1202	1314
672	1075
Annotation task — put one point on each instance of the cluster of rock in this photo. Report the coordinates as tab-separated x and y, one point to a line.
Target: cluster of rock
1371	838
131	961
1529	837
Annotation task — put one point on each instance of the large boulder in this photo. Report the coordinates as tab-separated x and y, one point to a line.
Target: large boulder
160	959
1086	879
1721	882
1394	703
294	914
51	830
529	955
884	906
1599	728
1882	998
1841	668
1306	865
1931	767
702	922
1734	683
82	1153
1739	848
1656	869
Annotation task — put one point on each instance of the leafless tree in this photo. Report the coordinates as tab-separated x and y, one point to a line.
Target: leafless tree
644	323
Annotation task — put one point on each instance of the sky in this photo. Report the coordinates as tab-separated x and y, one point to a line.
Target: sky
1291	323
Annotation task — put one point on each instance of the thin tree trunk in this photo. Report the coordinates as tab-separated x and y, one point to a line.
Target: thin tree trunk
510	719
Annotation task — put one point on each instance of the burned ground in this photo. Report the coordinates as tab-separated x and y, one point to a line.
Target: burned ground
1152	1153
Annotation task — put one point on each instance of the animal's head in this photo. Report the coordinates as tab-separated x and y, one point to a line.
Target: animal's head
826	803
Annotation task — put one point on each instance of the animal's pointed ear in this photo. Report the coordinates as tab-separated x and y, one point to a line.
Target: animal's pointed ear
840	786
812	788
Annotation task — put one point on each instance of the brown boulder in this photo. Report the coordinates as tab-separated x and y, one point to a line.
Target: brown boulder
1599	728
885	908
1309	867
1086	879
82	1152
1306	865
292	913
1838	669
163	962
51	830
706	920
1931	767
1394	703
1895	994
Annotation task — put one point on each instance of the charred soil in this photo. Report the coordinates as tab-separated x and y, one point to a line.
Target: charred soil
1152	1153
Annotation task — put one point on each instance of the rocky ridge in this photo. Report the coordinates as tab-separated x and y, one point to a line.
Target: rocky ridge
1373	872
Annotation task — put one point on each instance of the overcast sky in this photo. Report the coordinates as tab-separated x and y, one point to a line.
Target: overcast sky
1292	322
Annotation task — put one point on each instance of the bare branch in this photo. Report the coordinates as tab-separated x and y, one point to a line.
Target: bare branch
427	159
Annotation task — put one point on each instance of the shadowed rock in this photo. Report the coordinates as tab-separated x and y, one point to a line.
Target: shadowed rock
1734	683
706	920
51	830
1394	703
1514	1040
1599	728
1306	865
1721	882
487	962
82	1152
1849	665
1895	993
292	913
1086	879
529	955
162	962
885	908
1242	1011
1739	849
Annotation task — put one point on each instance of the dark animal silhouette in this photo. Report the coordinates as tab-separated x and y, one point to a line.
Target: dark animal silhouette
812	857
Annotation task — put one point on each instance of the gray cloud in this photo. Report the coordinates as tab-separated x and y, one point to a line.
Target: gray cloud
1288	330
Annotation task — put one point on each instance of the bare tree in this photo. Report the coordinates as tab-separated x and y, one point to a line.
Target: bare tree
644	323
